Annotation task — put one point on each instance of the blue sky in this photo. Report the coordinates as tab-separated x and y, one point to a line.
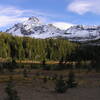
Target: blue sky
62	13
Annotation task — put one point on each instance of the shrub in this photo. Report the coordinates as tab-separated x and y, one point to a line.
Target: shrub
71	80
11	91
60	86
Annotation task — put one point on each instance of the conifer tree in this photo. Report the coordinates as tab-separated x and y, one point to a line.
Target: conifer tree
11	91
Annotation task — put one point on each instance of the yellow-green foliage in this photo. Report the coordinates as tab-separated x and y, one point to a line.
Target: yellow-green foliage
34	49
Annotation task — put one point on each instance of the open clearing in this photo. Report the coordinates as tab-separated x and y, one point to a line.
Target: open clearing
33	87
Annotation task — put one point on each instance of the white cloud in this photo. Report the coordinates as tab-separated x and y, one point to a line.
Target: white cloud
84	6
62	25
6	20
10	15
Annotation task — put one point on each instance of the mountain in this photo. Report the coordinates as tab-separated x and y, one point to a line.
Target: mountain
83	33
33	27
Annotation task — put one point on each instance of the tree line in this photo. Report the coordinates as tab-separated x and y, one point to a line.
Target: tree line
22	48
34	49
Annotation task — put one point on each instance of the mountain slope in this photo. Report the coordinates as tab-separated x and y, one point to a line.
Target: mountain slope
34	28
83	33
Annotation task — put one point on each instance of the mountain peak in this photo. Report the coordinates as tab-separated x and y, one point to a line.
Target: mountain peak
34	28
34	19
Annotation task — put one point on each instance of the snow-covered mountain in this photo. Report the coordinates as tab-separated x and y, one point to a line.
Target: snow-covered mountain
33	27
83	33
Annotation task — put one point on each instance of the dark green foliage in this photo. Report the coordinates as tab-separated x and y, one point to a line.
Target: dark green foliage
71	80
85	53
11	91
60	85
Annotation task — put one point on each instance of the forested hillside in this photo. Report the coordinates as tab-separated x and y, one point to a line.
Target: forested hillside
25	48
35	49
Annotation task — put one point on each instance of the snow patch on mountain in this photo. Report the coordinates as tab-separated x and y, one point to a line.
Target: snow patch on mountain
33	27
83	33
